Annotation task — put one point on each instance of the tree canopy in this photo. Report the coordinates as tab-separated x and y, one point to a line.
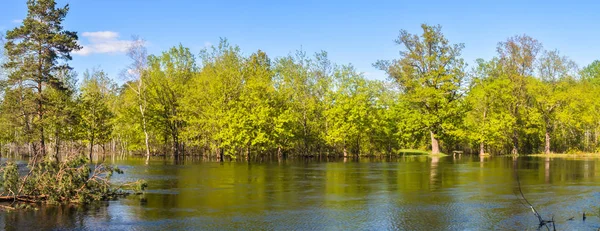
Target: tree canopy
224	103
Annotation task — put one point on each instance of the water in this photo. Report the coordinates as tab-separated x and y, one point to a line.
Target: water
407	193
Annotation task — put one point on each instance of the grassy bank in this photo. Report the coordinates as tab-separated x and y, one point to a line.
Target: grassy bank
566	155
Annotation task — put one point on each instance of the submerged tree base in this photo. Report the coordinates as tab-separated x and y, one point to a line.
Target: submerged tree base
71	181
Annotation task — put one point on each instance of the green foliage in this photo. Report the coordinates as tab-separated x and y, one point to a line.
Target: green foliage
10	178
305	83
95	115
430	74
353	112
488	118
166	79
517	61
212	97
127	122
591	72
140	186
248	106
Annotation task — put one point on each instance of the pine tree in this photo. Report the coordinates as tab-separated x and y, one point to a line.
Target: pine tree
36	51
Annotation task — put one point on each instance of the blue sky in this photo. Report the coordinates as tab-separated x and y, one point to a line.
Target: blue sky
357	32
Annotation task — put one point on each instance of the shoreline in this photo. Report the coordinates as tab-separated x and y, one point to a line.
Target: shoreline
563	155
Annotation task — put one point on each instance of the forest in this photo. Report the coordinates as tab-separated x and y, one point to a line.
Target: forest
225	103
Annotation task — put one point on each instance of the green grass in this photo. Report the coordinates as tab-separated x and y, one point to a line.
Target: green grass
570	155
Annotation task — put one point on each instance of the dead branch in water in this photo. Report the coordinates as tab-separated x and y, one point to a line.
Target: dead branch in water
535	212
29	199
5	207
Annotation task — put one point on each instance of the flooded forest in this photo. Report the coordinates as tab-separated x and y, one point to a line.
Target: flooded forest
221	137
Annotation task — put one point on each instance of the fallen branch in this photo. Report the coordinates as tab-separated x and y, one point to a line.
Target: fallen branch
71	181
29	199
7	207
535	212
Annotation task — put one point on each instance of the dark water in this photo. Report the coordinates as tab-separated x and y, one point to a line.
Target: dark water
408	193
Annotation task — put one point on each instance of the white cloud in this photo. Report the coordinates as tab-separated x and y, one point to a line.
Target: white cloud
17	21
103	42
207	44
100	35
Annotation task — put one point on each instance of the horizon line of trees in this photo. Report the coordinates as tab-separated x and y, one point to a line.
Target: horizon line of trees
222	102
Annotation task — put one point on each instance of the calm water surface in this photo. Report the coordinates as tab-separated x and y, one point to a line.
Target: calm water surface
407	193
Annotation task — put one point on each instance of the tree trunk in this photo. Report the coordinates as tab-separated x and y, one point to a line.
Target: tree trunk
481	149
145	133
42	140
147	149
41	116
357	146
435	146
57	145
482	145
305	138
91	148
103	152
515	138
221	156
515	135
176	145
182	149
547	146
247	151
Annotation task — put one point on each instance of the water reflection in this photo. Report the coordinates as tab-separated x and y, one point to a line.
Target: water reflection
409	192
